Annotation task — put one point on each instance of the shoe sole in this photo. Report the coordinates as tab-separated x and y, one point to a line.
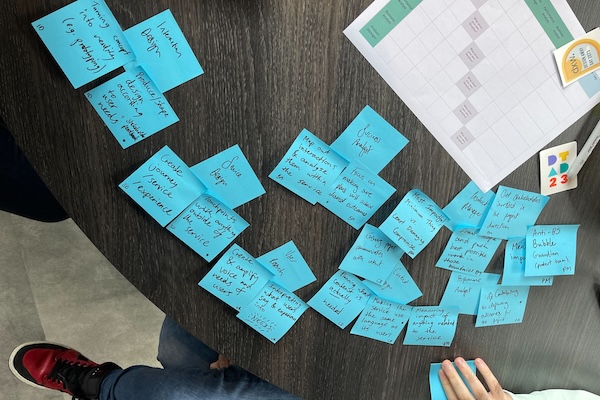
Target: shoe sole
17	375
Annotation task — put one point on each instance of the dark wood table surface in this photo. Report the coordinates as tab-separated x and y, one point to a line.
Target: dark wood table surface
272	69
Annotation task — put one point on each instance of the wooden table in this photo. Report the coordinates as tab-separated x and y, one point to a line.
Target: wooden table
273	68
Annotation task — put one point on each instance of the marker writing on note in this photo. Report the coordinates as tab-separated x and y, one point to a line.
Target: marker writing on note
585	152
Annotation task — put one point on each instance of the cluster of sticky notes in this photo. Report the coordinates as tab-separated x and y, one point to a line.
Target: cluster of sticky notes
261	289
533	254
343	177
193	204
87	42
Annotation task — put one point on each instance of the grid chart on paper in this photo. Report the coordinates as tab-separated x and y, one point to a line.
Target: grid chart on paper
484	76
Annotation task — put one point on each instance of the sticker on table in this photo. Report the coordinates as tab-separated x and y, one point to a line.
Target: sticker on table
551	250
341	298
371	140
399	286
373	255
289	268
382	320
435	384
468	208
512	212
131	106
273	311
468	252
309	167
161	48
208	226
229	177
501	305
414	222
237	278
514	267
463	291
356	194
431	326
163	186
554	164
85	39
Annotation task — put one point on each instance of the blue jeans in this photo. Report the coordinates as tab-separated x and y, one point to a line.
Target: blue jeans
186	374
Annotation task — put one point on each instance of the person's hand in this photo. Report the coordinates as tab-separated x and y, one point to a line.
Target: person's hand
222	362
455	388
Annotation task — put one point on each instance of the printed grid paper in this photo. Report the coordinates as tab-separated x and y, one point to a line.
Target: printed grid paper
479	74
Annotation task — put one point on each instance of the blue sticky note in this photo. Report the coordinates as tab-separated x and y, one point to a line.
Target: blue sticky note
163	186
501	305
131	106
341	298
237	278
309	167
512	212
398	287
551	250
414	222
382	320
371	140
208	226
468	208
85	39
229	176
356	194
289	268
435	384
161	48
431	326
463	291
373	255
468	252
514	267
273	311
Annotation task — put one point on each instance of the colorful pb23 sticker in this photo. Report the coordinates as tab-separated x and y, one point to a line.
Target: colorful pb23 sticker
554	164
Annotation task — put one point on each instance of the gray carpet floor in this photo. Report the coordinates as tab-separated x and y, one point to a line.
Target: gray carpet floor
56	286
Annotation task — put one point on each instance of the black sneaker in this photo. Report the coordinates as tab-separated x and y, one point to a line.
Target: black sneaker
55	367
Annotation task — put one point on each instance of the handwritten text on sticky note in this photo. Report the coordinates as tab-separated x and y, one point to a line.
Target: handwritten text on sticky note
229	177
356	194
289	268
431	326
468	252
309	167
551	250
512	212
399	286
414	222
341	298
85	40
468	208
208	226
500	305
463	291
514	267
163	186
236	279
131	106
273	311
382	320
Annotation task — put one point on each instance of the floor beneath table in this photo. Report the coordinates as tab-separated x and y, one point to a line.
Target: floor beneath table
56	286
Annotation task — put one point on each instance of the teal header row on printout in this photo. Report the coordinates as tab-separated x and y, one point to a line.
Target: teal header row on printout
387	19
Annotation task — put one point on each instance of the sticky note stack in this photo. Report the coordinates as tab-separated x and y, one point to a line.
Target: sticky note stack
87	42
343	177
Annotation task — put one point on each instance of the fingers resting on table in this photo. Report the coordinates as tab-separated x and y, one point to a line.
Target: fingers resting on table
456	389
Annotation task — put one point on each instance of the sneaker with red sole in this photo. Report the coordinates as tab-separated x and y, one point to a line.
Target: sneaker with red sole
52	366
